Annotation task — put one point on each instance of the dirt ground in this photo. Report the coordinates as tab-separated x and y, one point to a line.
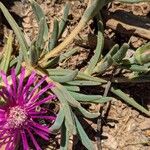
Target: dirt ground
124	128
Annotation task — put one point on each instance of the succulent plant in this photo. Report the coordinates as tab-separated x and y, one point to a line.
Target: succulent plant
40	58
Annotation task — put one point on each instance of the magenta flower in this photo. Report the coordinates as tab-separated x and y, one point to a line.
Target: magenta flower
19	117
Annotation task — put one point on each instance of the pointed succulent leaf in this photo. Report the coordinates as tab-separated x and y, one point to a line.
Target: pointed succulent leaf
90	98
19	62
68	97
83	136
142	54
139	68
103	65
52	62
120	54
87	114
54	38
39	14
58	122
101	100
80	76
16	29
64	138
76	104
84	97
59	72
99	47
64	19
72	88
40	38
33	56
84	76
4	65
113	50
69	120
83	83
129	100
67	78
68	54
107	61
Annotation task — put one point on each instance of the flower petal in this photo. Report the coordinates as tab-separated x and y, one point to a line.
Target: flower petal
34	98
10	145
21	79
45	117
8	87
37	86
14	81
8	97
34	112
50	97
2	95
30	81
24	140
34	141
40	127
42	134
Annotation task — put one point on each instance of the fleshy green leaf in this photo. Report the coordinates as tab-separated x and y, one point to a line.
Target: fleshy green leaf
72	88
66	95
83	83
63	21
142	54
39	14
52	62
20	59
4	65
54	37
84	76
58	122
83	136
68	54
129	100
59	72
113	50
69	120
81	75
99	47
40	38
64	138
87	114
90	98
16	29
103	65
139	68
107	60
120	54
67	78
33	54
